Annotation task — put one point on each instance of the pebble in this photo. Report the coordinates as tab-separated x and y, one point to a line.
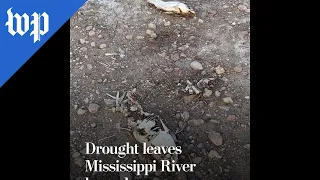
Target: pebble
214	121
149	32
175	56
217	93
91	33
93	108
207	92
190	147
211	104
83	49
200	146
196	65
93	125
93	44
197	160
154	35
76	154
185	115
100	80
102	46
140	37
82	41
168	23
86	100
178	116
168	70
215	137
225	108
225	6
227	100
219	70
247	146
88	28
196	122
214	154
152	26
79	161
129	37
190	98
237	69
191	38
81	111
231	117
89	66
242	7
200	21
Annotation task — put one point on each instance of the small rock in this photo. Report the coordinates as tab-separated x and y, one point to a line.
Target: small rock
93	108
247	97
93	44
133	108
191	38
197	160
225	6
93	125
83	151
184	47
227	100
168	23
83	49
168	70
88	28
79	161
231	117
211	104
196	122
152	26
226	170
242	7
89	66
82	41
100	80
110	102
91	33
219	70
217	93
102	46
196	65
203	73
185	115
140	37
224	79
215	137
207	92
214	154
175	57
200	21
247	146
237	69
214	121
129	37
153	35
86	100
178	116
76	154
190	147
149	32
81	111
225	108
200	146
223	88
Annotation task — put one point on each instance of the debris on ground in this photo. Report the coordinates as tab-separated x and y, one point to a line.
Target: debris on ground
173	7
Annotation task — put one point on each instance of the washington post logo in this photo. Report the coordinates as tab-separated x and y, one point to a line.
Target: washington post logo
22	27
